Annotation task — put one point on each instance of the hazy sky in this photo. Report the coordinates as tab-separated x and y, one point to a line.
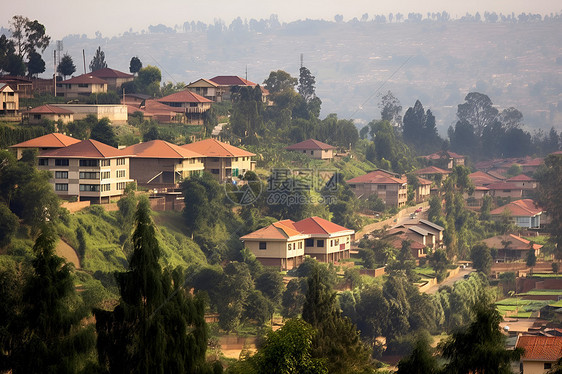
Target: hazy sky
113	17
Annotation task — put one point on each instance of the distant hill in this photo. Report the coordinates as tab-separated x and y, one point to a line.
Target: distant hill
516	64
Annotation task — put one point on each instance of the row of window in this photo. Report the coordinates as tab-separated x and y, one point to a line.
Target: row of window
91	174
308	242
83	162
91	187
294	245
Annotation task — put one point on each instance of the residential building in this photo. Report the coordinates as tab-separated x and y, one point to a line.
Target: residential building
9	100
445	159
48	112
433	229
81	86
229	82
527	184
314	149
114	78
223	161
433	173
116	113
511	247
158	111
44	143
88	170
159	164
480	178
192	105
207	88
423	191
389	187
23	87
134	99
540	353
285	243
523	213
505	189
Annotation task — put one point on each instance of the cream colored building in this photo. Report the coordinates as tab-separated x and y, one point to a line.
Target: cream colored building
207	89
48	112
88	170
116	113
540	353
390	188
81	86
313	149
9	101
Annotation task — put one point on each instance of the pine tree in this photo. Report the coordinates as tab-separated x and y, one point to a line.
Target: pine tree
66	66
98	61
158	327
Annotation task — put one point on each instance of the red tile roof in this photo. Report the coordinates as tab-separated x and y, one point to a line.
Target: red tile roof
480	178
377	177
318	226
540	348
309	144
155	107
281	230
84	79
49	109
208	81
54	140
424	181
443	154
519	208
214	148
231	80
185	96
110	73
86	149
159	149
520	178
516	242
432	170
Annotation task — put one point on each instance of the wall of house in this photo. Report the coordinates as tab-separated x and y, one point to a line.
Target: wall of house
9	101
116	113
533	367
74	91
515	194
240	165
276	249
65	118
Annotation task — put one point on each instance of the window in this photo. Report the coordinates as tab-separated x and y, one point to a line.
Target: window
215	159
105	174
90	187
105	162
311	152
121	173
105	187
120	161
320	243
547	365
61	162
37	116
61	186
263	245
331	243
300	245
290	246
381	187
83	85
89	175
121	185
309	242
43	161
89	163
61	175
214	171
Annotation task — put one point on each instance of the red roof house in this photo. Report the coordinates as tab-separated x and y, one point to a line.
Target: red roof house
313	148
540	352
46	142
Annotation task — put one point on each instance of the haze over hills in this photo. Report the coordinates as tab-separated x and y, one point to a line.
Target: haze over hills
517	64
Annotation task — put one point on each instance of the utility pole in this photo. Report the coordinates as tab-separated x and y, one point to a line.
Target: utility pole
84	59
55	72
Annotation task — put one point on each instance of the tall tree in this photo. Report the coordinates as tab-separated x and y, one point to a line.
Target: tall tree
98	61
135	65
306	84
103	132
158	327
35	64
391	109
477	110
29	36
279	81
66	66
421	360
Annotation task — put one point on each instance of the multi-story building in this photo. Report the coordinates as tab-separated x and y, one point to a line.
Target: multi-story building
193	106
44	143
88	170
389	187
207	89
9	101
81	86
49	113
114	78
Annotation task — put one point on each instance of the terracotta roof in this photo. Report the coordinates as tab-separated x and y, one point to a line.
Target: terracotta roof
231	80
518	208
520	178
309	144
131	109
154	106
84	79
480	178
540	348
86	149
424	181
377	177
497	173
159	149
54	140
517	243
110	73
533	162
443	154
214	148
432	170
48	109
185	96
281	230
318	226
208	81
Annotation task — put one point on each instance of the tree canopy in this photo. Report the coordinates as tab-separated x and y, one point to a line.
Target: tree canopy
98	61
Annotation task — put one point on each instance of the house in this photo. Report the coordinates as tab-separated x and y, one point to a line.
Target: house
505	189
313	149
114	78
134	99
511	247
23	87
160	112
88	170
81	86
285	243
116	113
207	88
522	213
48	112
222	160
192	105
44	143
540	353
445	159
433	229
526	183
160	164
413	233
480	178
423	191
477	196
9	100
417	249
433	173
229	83
391	188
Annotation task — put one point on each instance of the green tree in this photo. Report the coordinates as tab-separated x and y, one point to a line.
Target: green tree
478	111
158	327
435	211
98	61
29	36
35	64
481	258
480	347
270	283
135	65
486	208
421	360
234	289
438	261
306	84
390	109
531	258
66	66
293	298
103	132
9	223
279	81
